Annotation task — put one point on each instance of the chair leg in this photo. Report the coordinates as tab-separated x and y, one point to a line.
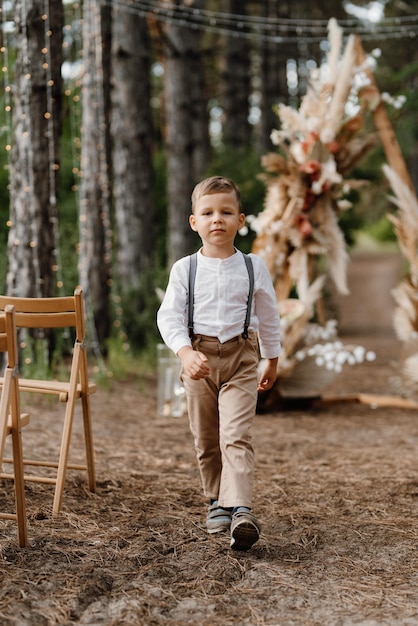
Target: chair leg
19	485
63	457
78	368
65	449
88	440
66	433
6	405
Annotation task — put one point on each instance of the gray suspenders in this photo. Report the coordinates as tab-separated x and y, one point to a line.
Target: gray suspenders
192	279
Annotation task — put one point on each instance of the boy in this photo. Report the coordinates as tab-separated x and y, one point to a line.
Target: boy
219	361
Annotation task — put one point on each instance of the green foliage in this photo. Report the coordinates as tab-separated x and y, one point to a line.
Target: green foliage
138	310
122	362
68	243
381	231
68	225
45	356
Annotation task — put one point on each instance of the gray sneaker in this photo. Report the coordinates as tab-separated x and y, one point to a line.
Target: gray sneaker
218	519
245	529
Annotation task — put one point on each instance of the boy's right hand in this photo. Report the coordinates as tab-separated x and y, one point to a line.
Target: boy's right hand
194	363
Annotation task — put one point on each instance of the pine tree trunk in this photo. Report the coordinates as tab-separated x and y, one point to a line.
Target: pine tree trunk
95	245
199	109
181	49
236	84
273	84
34	159
131	130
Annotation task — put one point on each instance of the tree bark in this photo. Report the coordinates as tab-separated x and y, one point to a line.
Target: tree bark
33	240
181	83
95	244
273	79
132	135
236	84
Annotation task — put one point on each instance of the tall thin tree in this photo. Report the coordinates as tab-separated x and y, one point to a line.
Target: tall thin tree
183	89
236	83
132	136
95	243
33	240
273	80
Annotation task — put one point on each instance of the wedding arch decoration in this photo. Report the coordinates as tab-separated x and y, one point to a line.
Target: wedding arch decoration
307	183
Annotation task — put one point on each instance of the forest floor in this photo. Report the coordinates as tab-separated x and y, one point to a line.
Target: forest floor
336	494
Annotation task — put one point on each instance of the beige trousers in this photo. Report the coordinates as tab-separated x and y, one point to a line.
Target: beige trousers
221	412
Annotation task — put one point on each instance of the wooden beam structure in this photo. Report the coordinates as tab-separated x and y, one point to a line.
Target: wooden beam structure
382	122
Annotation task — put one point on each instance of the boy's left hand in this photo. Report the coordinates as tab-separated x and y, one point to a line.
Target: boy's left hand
268	376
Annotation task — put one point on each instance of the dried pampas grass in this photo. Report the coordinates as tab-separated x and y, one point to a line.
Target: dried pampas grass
405	318
317	146
406	221
306	186
405	224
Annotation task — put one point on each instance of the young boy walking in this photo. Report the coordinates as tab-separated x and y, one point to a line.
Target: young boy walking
219	335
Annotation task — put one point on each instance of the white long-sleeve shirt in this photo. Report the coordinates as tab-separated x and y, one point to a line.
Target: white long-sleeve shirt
220	303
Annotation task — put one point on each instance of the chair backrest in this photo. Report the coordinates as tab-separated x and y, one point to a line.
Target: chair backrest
53	313
57	312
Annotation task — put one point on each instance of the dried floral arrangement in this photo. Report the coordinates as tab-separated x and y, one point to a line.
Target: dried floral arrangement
405	319
306	187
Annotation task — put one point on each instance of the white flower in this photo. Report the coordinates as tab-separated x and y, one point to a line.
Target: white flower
359	352
316	187
297	152
340	358
344	205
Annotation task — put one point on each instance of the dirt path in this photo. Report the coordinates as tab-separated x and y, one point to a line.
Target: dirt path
336	492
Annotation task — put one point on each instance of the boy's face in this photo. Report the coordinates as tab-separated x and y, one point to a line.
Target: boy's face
217	218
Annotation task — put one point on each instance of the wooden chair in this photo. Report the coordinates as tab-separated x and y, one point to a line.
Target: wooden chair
60	312
11	420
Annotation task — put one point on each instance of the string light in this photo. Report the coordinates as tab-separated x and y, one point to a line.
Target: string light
29	188
277	30
7	126
72	77
53	166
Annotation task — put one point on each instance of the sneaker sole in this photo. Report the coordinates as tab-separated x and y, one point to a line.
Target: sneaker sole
244	536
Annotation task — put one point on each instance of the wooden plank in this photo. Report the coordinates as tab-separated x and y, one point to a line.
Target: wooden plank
382	122
371	399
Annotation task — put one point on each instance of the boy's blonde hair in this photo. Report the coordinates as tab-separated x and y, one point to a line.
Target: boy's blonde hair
215	184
